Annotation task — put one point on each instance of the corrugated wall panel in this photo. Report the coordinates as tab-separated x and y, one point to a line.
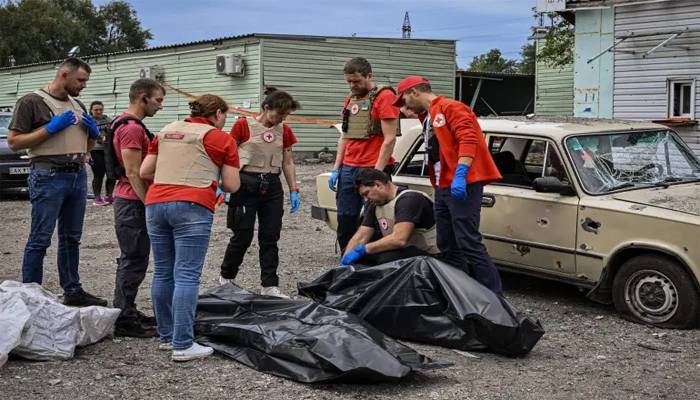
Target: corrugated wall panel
190	68
554	89
641	84
312	71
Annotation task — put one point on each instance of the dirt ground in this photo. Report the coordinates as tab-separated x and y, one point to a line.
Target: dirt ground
588	352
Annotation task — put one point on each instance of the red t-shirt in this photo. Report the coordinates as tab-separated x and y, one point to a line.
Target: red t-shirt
128	136
221	149
459	134
241	133
365	152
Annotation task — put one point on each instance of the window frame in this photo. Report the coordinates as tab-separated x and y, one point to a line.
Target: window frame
671	88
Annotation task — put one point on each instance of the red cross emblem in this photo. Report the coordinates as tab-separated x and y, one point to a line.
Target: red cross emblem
439	120
355	109
268	137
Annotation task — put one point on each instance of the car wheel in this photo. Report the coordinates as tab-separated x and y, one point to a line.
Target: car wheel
656	290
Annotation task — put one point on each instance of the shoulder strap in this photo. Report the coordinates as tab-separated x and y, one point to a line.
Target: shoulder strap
122	121
375	92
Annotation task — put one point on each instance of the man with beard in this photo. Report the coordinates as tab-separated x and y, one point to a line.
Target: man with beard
57	133
460	164
131	141
370	124
402	219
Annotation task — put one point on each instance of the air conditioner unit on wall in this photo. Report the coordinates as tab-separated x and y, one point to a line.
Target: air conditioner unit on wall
230	64
153	72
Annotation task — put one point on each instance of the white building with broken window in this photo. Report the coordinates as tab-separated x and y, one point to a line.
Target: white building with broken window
636	60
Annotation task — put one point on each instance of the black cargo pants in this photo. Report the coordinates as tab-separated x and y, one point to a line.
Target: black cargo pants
132	263
268	205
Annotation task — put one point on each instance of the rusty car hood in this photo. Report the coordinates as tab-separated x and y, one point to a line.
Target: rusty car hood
683	198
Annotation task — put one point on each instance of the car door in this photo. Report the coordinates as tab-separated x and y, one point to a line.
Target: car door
524	228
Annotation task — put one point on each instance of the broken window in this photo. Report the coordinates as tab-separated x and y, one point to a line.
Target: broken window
612	162
681	99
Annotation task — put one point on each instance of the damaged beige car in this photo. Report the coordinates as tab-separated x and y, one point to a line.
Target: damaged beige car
612	207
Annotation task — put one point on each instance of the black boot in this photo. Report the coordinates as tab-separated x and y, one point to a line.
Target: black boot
134	328
82	298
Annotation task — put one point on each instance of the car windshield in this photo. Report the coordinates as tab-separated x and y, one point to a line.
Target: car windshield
4	124
611	162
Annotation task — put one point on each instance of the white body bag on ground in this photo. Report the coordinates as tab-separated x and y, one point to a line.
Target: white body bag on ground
35	325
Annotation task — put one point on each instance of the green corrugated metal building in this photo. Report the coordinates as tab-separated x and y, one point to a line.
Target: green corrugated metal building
554	89
308	67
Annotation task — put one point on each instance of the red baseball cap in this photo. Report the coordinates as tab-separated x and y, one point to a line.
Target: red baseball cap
405	84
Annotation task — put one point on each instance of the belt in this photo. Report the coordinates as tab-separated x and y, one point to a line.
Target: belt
259	175
59	167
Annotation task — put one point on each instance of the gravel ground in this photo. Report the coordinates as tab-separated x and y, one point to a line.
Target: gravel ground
588	352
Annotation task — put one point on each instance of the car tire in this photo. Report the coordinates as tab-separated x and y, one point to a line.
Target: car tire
655	290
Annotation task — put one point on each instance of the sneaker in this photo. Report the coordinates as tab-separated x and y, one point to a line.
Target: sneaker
82	299
273	291
146	320
224	281
134	329
165	346
192	353
99	202
109	199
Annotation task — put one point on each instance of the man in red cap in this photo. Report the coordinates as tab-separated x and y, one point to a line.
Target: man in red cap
460	165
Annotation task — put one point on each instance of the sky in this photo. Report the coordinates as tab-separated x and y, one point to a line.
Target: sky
477	25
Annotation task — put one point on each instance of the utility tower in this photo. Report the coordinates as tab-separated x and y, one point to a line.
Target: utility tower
406	28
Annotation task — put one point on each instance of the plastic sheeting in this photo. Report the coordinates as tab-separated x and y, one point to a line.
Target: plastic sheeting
300	340
425	300
52	331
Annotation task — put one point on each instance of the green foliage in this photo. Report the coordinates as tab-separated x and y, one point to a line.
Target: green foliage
528	53
558	44
493	61
42	30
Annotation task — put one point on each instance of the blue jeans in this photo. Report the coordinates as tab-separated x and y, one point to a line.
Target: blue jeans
349	204
179	234
55	196
458	236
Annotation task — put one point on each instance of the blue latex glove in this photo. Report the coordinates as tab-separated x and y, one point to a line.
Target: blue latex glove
91	125
333	180
60	122
295	201
358	252
458	190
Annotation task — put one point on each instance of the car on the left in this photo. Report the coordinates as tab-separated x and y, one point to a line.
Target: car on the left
14	166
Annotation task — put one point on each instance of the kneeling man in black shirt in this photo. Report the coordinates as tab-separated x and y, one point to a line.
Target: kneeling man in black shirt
401	220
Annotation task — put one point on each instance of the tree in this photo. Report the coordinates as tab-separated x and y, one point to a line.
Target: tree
493	61
528	53
123	29
558	43
43	30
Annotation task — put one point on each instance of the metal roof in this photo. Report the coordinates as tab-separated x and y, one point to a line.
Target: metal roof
477	74
580	4
221	39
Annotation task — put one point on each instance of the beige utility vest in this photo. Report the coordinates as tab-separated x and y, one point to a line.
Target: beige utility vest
182	158
72	140
262	152
423	239
360	124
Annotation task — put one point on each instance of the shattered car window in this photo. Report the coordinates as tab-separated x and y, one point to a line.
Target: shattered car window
619	161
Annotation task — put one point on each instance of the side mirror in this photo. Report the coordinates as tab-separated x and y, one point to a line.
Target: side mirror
552	184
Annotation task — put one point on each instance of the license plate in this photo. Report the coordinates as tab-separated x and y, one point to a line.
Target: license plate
19	170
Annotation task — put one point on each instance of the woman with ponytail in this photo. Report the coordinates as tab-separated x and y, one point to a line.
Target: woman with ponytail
185	161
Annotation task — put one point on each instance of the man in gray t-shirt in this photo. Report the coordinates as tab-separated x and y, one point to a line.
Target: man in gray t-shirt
57	133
